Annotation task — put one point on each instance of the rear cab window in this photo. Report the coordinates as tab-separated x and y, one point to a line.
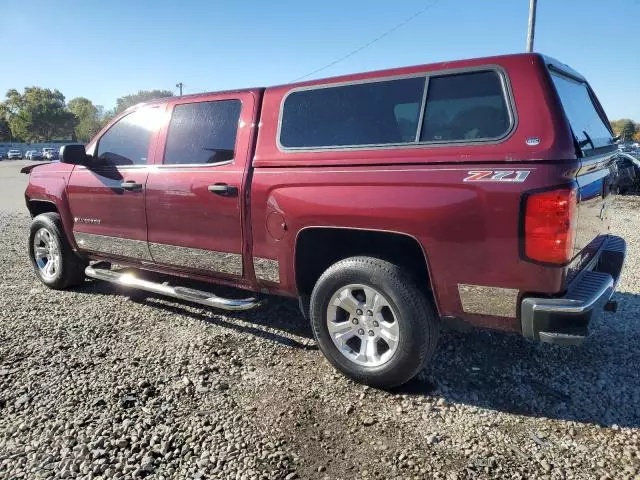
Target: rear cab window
589	125
469	106
440	108
368	113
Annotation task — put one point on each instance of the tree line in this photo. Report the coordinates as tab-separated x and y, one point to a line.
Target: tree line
626	129
42	115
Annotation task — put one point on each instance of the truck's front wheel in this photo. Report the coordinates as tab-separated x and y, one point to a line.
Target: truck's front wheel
372	322
53	259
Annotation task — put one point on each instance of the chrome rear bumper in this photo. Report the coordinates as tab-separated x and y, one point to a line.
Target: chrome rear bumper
565	320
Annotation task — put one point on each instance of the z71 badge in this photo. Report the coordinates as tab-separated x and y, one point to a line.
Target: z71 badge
514	176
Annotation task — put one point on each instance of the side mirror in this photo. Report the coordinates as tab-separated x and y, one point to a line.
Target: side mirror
73	154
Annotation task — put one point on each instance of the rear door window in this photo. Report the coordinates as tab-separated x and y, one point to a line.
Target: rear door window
465	107
202	133
588	125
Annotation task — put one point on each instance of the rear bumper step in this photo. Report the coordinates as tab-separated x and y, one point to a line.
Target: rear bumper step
565	320
189	294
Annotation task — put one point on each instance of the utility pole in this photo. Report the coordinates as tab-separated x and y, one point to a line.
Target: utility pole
532	24
179	85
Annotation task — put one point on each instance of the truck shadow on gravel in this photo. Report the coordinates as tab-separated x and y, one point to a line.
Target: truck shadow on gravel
597	383
278	320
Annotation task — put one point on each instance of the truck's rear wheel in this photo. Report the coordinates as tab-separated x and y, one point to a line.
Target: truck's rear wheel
372	322
54	261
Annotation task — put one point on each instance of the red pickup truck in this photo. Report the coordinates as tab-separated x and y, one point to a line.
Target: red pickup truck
387	202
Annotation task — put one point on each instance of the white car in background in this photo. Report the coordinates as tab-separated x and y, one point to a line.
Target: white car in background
14	154
52	154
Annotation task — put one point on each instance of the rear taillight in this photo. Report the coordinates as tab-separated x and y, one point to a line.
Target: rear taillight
550	226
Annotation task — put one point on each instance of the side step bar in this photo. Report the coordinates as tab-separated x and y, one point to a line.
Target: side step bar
182	293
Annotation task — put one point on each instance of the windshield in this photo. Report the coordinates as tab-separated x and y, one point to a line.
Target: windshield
589	128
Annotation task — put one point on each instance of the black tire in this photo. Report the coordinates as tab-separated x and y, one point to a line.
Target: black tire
70	271
417	321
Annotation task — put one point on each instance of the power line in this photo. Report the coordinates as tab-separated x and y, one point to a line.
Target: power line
368	44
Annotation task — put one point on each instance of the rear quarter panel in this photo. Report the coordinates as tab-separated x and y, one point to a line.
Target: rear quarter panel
469	231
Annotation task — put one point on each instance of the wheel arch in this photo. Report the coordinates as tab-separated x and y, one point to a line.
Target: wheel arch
37	207
319	247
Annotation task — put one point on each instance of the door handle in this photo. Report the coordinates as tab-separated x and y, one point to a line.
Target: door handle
223	190
131	186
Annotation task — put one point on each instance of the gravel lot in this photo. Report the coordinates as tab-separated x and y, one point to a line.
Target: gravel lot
102	383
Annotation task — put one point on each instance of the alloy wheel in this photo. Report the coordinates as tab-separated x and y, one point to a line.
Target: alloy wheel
46	253
363	325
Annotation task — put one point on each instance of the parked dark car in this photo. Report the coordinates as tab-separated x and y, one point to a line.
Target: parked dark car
628	176
625	147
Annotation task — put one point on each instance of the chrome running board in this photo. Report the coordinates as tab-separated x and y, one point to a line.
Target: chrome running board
182	293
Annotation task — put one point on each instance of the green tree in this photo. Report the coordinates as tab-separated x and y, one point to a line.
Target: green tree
5	130
628	130
127	101
88	118
618	125
106	116
38	115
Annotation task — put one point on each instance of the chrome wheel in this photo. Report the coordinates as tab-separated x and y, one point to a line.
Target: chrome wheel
46	253
363	325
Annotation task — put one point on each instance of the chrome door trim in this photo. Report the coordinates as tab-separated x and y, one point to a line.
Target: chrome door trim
196	258
120	247
172	255
266	269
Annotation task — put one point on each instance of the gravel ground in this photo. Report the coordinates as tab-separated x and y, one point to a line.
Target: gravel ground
101	383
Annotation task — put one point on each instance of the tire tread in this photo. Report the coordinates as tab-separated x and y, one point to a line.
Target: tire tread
403	286
72	266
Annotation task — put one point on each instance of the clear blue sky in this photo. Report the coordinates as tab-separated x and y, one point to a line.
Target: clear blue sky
105	49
